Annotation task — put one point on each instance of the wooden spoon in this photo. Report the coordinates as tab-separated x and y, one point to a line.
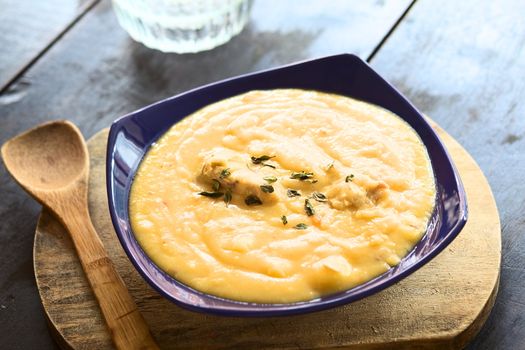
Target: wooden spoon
51	163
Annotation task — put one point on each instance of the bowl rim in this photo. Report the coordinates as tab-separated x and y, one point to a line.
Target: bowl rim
239	308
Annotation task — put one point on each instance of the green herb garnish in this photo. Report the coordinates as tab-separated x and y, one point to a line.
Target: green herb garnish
225	173
284	220
301	176
259	160
318	196
270	179
308	208
228	197
262	159
301	226
216	185
211	194
330	166
349	178
268	165
252	200
266	188
293	193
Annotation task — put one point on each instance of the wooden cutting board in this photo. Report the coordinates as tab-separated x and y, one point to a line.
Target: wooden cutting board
441	306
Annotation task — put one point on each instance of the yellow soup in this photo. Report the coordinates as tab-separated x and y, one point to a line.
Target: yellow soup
282	195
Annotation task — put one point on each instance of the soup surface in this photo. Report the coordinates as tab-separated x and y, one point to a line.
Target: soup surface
282	195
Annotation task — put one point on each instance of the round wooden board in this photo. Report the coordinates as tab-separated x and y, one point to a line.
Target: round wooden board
441	306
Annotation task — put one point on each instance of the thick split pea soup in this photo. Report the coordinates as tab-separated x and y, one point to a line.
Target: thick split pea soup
282	195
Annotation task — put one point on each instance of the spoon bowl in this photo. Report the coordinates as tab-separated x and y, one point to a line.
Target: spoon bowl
48	157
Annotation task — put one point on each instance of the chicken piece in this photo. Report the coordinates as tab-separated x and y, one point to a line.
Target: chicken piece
378	192
232	173
330	272
349	195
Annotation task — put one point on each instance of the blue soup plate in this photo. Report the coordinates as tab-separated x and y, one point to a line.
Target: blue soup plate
131	136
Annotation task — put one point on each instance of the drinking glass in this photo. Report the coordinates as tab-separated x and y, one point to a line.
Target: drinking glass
182	26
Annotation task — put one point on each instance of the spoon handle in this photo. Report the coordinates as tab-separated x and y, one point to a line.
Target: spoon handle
127	326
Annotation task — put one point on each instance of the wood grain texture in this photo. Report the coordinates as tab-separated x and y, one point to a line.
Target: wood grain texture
463	63
95	73
98	73
29	27
441	306
51	162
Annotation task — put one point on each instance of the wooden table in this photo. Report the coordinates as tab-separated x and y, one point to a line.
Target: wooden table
461	62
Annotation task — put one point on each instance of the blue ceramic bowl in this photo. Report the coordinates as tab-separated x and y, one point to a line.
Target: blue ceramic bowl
131	136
